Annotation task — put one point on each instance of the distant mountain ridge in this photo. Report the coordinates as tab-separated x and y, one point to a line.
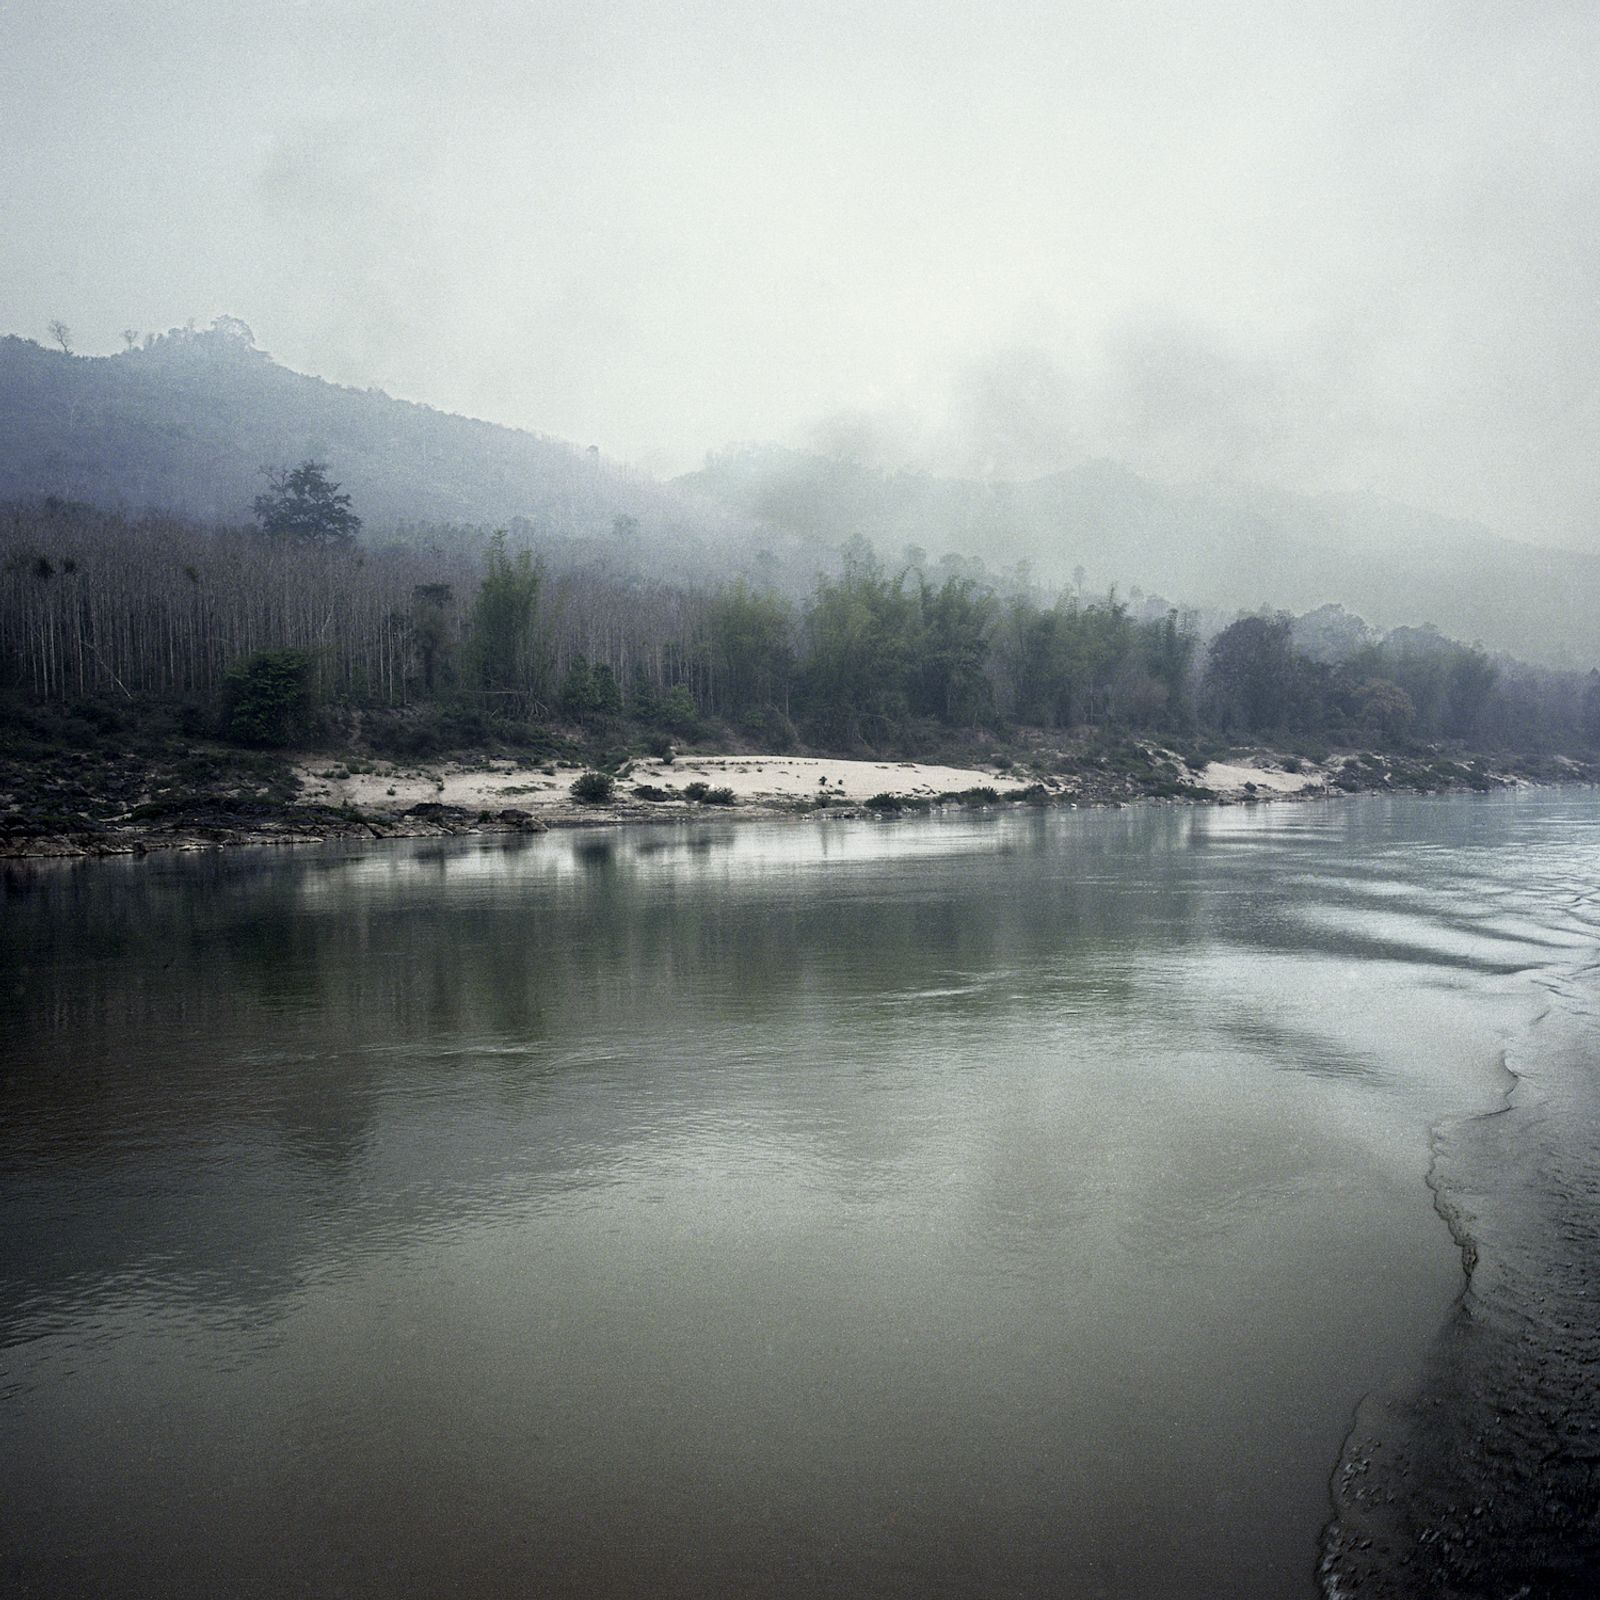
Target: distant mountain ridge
1223	546
186	422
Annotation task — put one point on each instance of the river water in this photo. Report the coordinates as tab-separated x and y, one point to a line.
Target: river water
1032	1203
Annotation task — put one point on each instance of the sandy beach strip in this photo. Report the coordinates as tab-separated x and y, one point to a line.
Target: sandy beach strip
496	785
776	780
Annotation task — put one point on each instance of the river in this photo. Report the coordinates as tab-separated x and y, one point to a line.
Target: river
1023	1203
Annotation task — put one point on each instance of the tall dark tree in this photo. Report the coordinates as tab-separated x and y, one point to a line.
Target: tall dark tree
505	655
859	643
750	646
948	681
1467	688
576	697
432	605
302	504
1250	674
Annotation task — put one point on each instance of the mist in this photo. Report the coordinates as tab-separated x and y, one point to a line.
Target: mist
1332	248
924	680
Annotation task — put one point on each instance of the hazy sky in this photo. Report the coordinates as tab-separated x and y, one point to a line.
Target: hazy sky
1350	244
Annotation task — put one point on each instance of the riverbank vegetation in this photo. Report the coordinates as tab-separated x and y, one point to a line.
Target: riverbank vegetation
155	637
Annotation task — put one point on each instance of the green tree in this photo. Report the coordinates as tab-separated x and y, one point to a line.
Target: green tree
643	701
1384	707
300	503
267	699
950	651
860	635
1074	663
502	645
607	691
1035	659
1250	674
1166	649
750	649
589	692
1468	684
676	710
431	605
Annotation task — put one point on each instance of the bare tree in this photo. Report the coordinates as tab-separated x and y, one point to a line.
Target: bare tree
62	335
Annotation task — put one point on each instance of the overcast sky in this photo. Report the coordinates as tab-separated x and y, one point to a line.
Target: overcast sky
1348	244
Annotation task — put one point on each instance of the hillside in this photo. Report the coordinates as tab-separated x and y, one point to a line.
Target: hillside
186	422
1215	546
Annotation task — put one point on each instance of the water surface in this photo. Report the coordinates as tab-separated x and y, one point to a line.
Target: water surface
985	1205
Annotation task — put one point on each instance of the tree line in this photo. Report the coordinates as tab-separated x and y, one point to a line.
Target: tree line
96	604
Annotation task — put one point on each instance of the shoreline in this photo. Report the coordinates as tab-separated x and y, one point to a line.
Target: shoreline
329	798
1472	1466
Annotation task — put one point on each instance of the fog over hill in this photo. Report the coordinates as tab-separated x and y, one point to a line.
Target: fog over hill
186	422
1219	545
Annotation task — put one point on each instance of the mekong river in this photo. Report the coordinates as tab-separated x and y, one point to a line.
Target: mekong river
1022	1203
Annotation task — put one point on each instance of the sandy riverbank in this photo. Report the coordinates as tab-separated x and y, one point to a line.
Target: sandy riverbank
543	792
775	781
323	797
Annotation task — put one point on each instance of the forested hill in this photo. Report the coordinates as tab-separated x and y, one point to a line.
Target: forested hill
1220	546
185	422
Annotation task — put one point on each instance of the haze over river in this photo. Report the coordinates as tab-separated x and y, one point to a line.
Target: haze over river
992	1204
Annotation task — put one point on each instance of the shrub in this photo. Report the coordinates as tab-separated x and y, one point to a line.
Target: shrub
649	791
676	709
702	792
891	805
266	698
593	788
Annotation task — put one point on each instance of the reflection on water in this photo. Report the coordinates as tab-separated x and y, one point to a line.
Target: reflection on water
980	1205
